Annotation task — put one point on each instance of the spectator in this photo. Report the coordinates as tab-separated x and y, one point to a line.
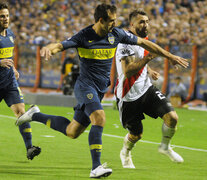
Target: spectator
166	16
37	22
179	89
70	72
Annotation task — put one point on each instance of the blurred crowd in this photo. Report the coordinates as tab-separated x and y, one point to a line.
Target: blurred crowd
178	23
45	21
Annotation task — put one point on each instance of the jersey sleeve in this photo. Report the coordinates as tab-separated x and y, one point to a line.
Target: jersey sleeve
127	38
10	33
72	42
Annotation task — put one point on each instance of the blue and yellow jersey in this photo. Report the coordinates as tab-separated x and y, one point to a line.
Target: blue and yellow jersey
6	52
96	54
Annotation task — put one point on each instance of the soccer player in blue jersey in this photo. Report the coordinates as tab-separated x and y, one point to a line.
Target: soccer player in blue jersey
96	46
9	89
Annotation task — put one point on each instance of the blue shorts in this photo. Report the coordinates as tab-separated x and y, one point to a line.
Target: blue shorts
89	100
11	94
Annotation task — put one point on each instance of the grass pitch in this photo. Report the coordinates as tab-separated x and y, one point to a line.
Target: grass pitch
63	158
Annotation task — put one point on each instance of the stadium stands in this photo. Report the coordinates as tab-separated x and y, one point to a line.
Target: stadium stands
179	24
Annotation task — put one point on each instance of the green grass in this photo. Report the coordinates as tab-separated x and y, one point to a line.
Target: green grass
63	158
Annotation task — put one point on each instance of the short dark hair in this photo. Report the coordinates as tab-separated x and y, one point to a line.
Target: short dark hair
101	11
178	78
3	5
135	13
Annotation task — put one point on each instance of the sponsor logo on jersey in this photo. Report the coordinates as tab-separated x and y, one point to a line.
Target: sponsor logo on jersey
90	96
6	52
126	52
99	54
111	39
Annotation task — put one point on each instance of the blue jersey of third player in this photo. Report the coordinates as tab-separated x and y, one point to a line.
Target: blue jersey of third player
6	52
96	54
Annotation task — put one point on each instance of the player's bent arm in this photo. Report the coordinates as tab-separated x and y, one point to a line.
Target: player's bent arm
131	66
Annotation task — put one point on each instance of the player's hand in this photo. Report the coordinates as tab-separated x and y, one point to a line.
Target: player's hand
46	53
8	63
176	61
154	74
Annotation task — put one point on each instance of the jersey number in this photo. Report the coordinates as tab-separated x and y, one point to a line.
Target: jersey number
160	95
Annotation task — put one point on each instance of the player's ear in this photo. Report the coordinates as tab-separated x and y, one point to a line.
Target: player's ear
131	24
101	20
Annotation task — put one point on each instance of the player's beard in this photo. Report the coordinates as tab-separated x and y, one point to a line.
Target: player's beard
4	26
142	33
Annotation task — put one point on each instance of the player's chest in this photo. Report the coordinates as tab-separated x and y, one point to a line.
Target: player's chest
94	42
138	51
7	41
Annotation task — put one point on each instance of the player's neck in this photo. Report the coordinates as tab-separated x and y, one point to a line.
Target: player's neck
2	32
97	28
133	31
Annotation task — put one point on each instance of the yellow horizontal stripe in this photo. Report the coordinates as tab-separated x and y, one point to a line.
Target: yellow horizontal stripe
28	130
101	54
96	146
6	52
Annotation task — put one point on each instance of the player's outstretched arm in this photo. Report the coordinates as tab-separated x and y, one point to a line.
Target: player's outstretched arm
50	49
154	48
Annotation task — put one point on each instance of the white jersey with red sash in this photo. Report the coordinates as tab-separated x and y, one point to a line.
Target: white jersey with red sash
130	89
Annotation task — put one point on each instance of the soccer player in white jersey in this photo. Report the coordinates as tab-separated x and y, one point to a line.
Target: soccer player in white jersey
136	95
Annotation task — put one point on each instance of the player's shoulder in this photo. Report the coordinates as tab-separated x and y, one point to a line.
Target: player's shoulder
122	31
10	32
86	30
117	31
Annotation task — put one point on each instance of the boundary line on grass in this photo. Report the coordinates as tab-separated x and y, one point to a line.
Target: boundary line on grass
150	142
10	117
121	137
